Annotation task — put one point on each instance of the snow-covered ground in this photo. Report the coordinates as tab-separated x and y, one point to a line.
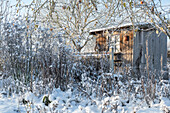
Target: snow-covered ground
68	102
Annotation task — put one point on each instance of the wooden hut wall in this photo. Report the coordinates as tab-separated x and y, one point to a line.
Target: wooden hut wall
157	47
100	42
126	45
151	39
137	51
163	45
154	53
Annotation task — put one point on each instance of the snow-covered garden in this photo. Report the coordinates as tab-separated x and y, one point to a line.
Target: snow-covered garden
88	96
42	69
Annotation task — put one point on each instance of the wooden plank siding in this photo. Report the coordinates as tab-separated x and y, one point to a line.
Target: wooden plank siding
101	44
126	46
137	52
134	46
156	47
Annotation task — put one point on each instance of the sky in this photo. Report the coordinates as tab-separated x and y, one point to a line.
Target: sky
164	2
25	1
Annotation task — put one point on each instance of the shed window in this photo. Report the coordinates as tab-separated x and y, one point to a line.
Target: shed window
126	38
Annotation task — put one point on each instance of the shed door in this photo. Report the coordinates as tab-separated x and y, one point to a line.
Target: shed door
115	42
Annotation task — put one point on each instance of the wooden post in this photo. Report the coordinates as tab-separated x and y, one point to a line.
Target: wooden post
112	60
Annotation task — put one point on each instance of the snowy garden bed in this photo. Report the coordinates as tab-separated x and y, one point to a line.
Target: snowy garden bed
76	100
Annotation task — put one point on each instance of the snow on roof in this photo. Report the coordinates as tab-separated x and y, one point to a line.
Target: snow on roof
118	26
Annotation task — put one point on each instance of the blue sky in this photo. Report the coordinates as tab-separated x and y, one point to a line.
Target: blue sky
25	1
165	2
12	2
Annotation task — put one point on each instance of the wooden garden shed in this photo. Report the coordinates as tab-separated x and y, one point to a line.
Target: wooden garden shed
133	47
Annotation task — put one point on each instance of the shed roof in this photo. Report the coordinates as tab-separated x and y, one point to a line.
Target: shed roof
120	26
